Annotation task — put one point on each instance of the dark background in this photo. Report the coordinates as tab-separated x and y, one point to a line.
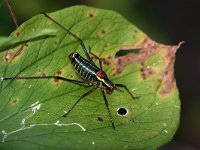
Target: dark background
167	22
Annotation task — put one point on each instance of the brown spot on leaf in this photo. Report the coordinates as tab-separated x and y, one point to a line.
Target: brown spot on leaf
59	72
105	61
90	14
11	55
56	80
100	119
18	52
14	101
17	33
103	31
42	73
109	57
119	61
146	72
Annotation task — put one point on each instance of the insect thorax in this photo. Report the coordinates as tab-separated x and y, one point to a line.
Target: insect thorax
90	72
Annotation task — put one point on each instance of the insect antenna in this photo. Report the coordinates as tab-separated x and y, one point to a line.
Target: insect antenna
72	34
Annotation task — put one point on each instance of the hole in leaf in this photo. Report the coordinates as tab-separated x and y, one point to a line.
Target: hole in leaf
122	111
126	52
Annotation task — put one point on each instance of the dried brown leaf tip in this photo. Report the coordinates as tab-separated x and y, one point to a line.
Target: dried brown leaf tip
167	72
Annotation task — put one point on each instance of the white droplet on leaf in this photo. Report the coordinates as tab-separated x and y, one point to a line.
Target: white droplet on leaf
164	124
166	131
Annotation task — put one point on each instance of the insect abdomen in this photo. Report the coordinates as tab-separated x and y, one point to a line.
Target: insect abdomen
83	67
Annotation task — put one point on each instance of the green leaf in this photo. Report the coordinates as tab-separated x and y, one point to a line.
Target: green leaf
31	110
6	42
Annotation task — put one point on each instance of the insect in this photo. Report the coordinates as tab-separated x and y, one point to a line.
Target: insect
92	75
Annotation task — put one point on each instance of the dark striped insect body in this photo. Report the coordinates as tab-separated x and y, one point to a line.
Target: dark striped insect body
92	75
90	72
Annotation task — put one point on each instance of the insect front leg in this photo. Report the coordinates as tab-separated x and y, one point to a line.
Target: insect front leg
95	56
125	87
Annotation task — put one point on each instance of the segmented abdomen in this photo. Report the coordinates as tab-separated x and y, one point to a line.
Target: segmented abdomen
83	67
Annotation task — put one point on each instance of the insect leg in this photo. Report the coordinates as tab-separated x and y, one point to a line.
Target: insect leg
84	95
95	56
72	34
48	77
124	86
108	109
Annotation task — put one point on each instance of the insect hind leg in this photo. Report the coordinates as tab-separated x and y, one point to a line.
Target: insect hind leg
108	109
84	95
81	83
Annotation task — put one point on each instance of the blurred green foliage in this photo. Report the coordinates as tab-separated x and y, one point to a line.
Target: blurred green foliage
132	10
